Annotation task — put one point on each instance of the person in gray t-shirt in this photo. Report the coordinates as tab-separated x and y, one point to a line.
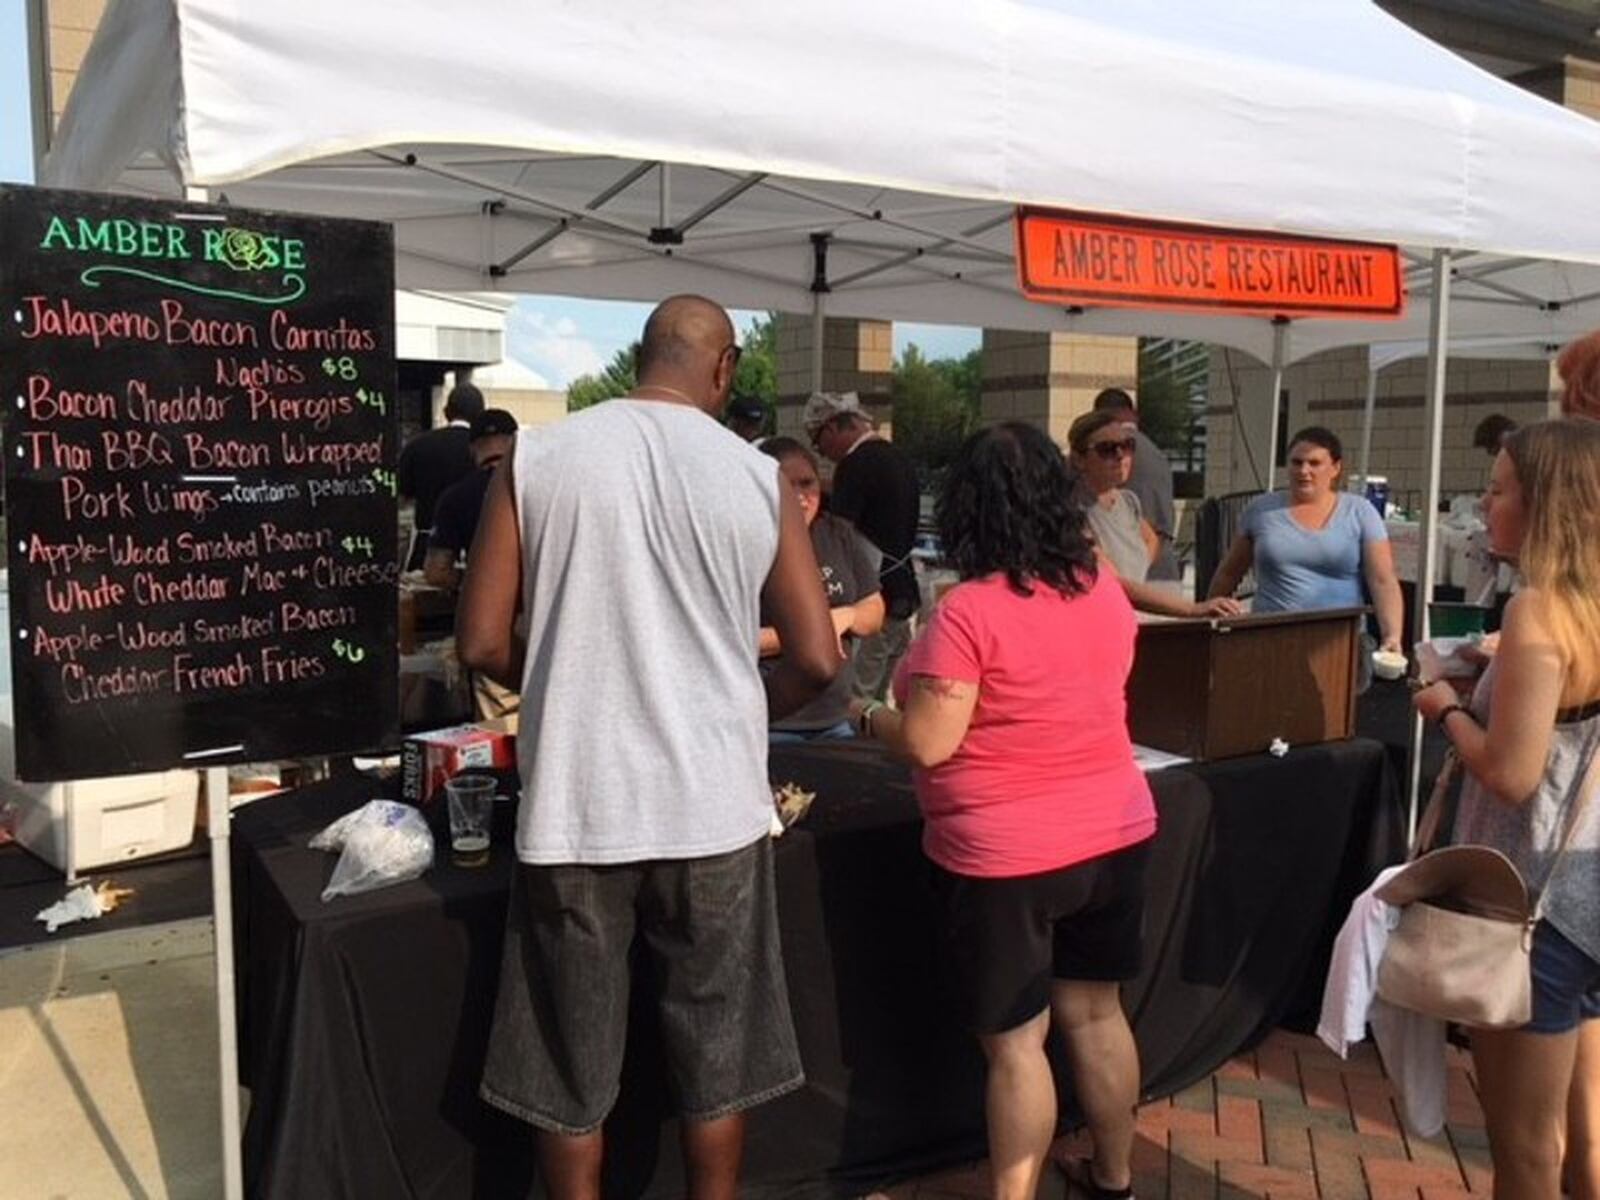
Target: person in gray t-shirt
849	565
621	561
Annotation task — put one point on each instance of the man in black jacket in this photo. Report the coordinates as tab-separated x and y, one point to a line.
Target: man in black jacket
875	489
432	461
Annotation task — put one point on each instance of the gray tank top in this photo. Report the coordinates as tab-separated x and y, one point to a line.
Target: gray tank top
1117	529
1530	835
647	532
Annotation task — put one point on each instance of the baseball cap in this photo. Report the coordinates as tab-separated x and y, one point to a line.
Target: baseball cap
747	408
490	423
824	406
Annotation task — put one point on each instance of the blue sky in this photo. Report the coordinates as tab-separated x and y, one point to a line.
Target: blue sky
16	142
557	337
560	338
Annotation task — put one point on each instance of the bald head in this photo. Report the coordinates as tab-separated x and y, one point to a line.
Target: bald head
688	346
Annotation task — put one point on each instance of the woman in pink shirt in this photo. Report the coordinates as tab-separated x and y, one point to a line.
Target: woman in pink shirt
1037	819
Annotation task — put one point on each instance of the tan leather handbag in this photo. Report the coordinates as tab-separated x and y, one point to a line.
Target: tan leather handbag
1462	949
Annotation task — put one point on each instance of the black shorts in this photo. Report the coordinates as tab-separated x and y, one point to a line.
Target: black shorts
1005	940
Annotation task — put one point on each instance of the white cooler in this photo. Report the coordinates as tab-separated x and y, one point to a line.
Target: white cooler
86	823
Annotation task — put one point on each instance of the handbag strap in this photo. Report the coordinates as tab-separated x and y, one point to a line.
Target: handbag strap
1428	827
1433	815
1585	793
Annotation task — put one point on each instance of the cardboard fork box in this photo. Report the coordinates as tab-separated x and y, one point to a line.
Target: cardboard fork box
428	759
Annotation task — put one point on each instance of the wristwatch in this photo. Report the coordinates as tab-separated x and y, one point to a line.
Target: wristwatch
864	721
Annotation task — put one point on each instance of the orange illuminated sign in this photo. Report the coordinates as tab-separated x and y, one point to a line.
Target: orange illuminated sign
1071	258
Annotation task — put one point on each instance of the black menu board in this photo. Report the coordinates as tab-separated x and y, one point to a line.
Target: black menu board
199	483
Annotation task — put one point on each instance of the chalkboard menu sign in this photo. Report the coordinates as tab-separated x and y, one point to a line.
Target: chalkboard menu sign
199	483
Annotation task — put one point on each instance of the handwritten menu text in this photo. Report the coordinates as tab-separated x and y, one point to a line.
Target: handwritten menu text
200	489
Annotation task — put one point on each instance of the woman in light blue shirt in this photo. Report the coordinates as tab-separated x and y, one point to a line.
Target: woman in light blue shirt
1315	546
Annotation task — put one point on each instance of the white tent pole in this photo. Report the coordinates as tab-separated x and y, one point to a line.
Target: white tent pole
218	819
1433	420
1280	338
1366	423
219	815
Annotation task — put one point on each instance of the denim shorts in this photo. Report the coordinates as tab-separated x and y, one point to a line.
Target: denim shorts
843	731
707	927
1566	983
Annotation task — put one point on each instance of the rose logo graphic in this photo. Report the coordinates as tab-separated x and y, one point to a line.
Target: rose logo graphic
245	250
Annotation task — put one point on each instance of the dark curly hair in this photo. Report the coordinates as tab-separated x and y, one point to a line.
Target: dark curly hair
1004	507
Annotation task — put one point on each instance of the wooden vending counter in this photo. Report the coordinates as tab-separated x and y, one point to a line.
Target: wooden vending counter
1221	687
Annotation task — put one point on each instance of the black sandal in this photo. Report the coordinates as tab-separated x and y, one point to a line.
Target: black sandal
1080	1178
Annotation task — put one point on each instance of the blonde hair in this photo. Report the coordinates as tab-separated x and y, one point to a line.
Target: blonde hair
1558	468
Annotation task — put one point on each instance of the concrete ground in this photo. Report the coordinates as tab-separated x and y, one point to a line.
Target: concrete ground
108	1067
108	1090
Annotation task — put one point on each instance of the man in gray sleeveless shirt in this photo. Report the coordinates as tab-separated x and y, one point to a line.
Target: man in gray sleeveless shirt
622	560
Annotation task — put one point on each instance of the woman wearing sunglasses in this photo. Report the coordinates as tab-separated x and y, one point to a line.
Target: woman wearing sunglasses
1315	546
1103	446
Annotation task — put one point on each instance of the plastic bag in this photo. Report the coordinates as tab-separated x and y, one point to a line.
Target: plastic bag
382	842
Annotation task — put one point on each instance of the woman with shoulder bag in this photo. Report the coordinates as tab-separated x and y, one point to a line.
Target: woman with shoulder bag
1526	740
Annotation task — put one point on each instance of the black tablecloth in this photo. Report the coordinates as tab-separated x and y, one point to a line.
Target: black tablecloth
364	1020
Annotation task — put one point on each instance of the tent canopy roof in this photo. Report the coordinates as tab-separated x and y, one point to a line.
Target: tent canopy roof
627	151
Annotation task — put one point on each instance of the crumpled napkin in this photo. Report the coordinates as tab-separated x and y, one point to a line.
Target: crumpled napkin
83	903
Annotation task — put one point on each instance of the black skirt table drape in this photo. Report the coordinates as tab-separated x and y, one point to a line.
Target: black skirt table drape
364	1021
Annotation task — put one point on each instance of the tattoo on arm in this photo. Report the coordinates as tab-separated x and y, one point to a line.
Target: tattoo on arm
942	689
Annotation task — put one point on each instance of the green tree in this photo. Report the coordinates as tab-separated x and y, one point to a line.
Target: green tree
935	406
965	375
1167	408
758	366
1164	414
619	377
757	374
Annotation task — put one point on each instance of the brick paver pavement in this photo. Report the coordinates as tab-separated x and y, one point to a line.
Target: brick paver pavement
1290	1121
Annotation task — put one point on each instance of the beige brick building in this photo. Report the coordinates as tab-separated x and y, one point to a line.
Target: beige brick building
1049	379
857	356
69	27
1331	390
1534	44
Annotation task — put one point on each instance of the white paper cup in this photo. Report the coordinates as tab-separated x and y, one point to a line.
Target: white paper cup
1388	664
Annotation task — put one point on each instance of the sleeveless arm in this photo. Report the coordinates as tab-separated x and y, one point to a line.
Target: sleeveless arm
1508	757
486	637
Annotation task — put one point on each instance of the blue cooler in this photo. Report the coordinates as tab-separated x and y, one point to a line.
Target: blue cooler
1378	492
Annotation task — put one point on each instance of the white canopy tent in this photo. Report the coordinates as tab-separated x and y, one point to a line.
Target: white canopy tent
862	158
1386	354
609	150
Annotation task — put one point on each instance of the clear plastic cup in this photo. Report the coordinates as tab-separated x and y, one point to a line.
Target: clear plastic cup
471	802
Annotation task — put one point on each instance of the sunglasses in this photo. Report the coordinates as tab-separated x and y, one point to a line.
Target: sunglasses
1111	451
